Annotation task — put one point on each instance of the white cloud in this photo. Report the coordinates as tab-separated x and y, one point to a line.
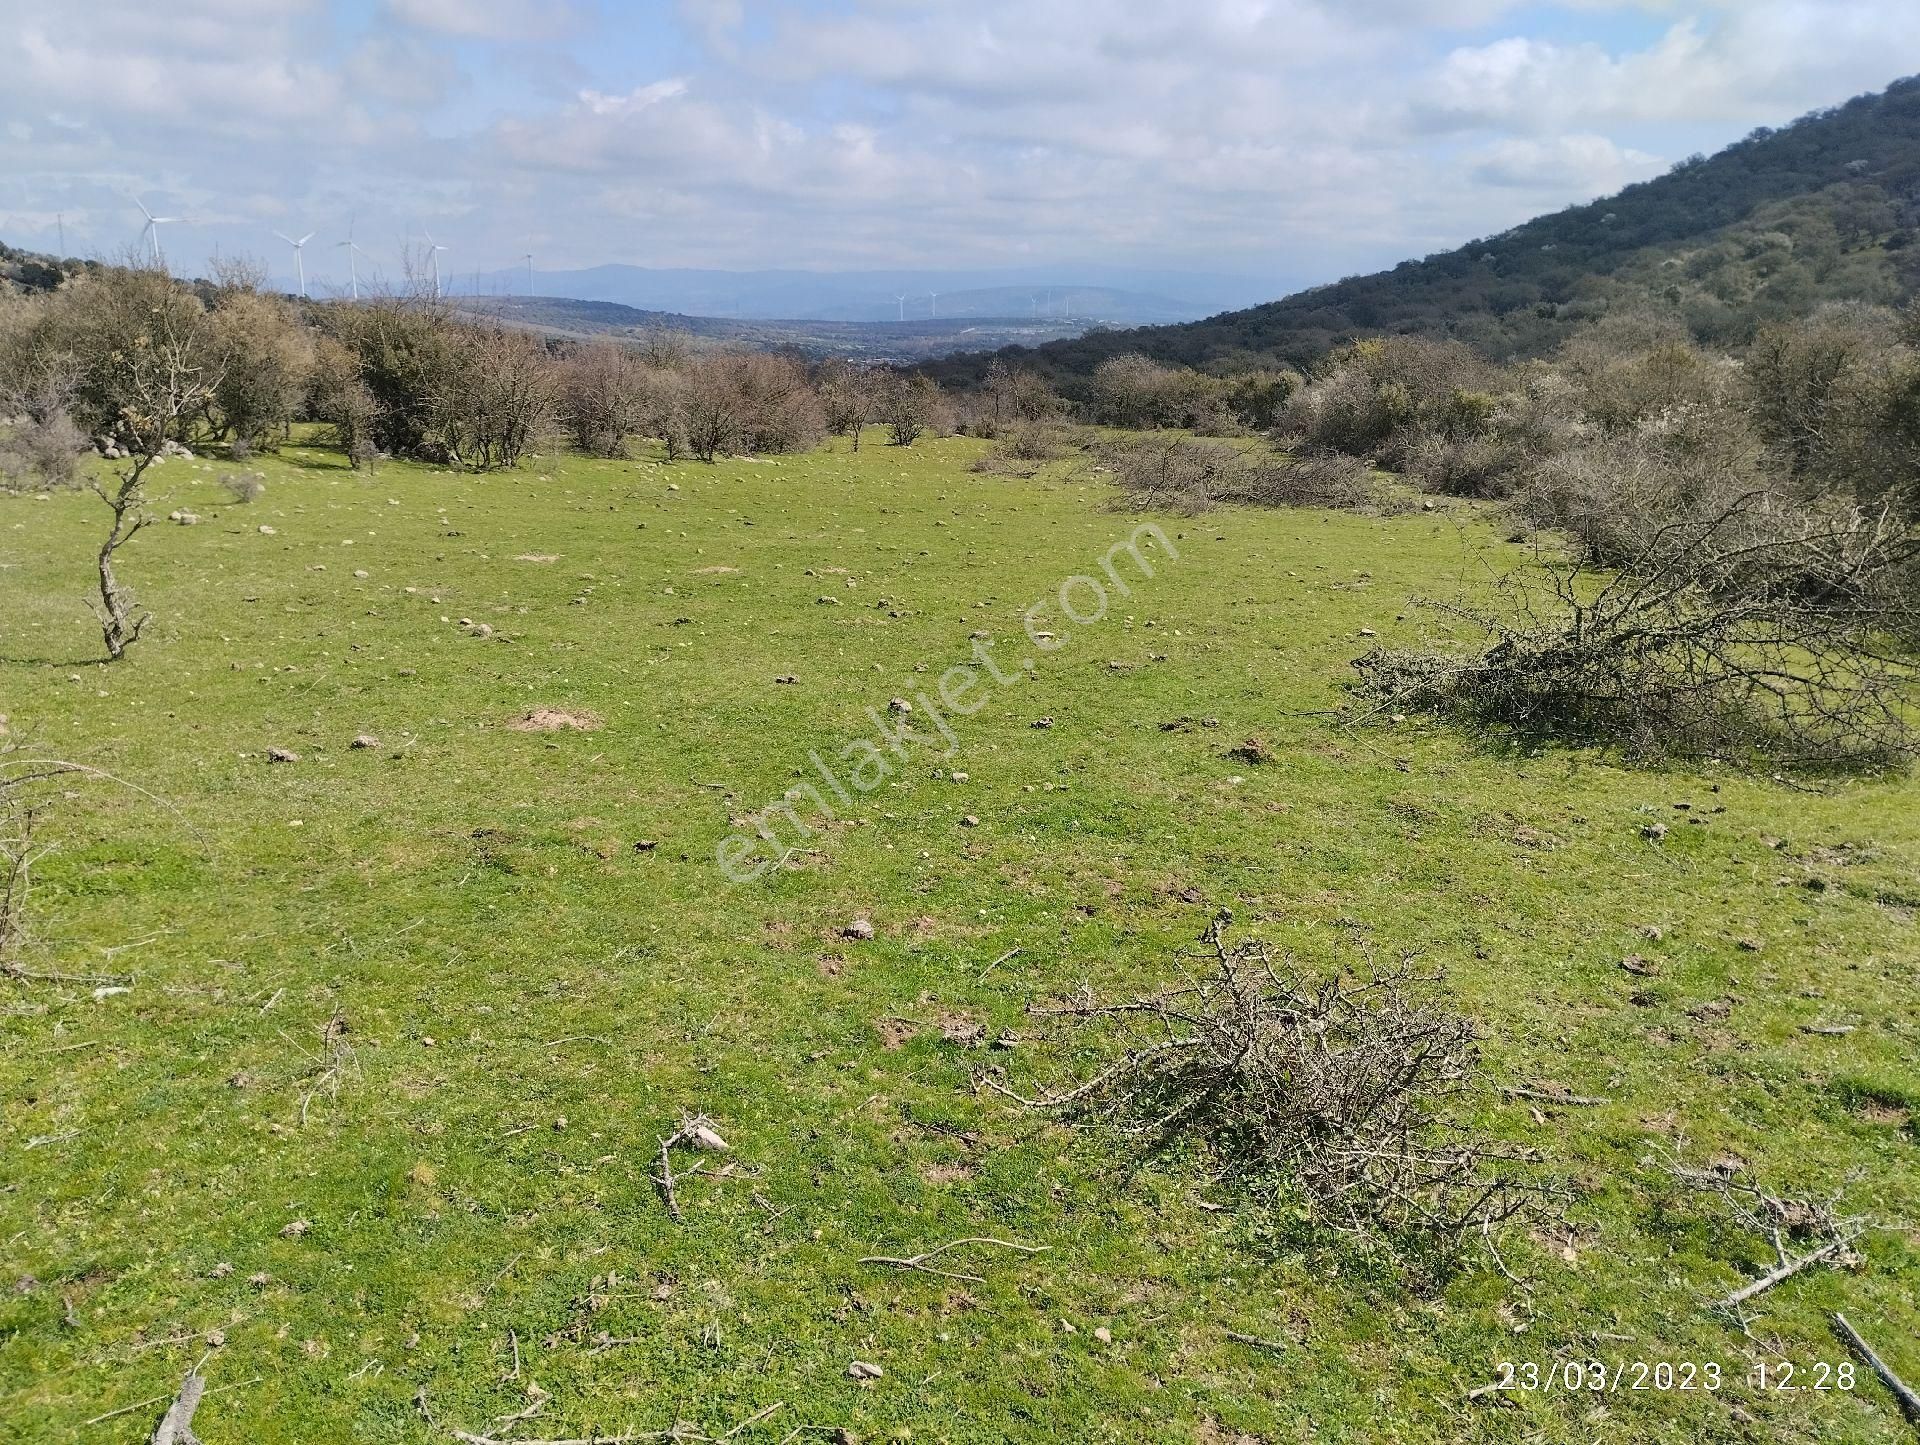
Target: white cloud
1295	135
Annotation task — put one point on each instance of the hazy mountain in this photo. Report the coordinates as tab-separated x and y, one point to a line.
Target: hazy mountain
1114	296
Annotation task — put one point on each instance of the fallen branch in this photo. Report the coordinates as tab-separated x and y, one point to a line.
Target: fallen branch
1255	1340
1787	1269
176	1426
1572	1101
919	1261
1909	1401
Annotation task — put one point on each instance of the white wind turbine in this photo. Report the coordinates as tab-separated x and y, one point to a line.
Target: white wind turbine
299	255
353	258
529	273
150	232
901	301
437	248
933	300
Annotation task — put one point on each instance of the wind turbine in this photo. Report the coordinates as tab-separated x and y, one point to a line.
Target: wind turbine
151	231
353	255
299	256
933	298
529	273
903	306
437	248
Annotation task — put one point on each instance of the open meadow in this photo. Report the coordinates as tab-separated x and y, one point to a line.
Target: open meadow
348	1074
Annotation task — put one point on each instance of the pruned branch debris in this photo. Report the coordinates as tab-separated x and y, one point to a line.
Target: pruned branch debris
1339	1090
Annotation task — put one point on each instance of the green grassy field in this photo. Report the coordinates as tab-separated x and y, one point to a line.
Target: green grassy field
429	1004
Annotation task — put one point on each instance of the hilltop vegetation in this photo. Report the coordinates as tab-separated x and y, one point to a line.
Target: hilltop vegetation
1824	209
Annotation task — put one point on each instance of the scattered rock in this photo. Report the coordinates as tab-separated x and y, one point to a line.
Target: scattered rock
861	1370
1103	1334
362	573
645	845
184	518
364	741
1042	722
1639	967
970	821
899	705
282	755
267	531
1654	832
295	1229
787	679
861	928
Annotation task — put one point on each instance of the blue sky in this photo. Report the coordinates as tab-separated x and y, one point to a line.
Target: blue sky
1293	140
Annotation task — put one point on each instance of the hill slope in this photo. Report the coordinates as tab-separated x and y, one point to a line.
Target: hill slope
1823	209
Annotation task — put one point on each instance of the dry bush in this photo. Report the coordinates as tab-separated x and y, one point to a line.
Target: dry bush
1314	479
1339	1094
1763	634
1171	474
601	397
42	451
746	401
912	406
1186	475
243	487
498	399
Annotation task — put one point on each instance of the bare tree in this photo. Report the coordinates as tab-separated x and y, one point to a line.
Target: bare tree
601	397
848	395
910	405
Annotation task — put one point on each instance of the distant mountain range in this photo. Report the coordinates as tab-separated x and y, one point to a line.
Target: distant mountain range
1114	296
889	341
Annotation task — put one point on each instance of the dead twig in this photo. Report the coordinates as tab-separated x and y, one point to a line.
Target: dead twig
1254	1340
1909	1401
919	1261
1572	1101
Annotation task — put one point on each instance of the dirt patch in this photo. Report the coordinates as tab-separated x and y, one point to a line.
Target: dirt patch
538	557
553	720
947	1173
713	571
894	1032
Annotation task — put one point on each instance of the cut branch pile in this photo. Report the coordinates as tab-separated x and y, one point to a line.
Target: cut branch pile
1761	633
1337	1090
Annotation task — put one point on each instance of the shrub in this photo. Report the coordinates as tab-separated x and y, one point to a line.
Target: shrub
243	488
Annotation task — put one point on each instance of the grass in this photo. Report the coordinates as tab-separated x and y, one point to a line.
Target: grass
529	1003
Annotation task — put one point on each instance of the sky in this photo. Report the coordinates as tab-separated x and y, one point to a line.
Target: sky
1291	141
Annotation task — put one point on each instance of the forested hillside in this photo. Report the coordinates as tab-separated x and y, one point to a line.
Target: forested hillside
1823	209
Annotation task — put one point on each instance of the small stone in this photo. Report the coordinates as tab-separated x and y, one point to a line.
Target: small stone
1368	632
899	705
786	679
267	531
1748	945
184	519
294	1230
645	845
1654	832
1104	1335
364	741
861	928
958	777
970	821
362	573
702	1136
861	1370
221	1270
282	755
1042	722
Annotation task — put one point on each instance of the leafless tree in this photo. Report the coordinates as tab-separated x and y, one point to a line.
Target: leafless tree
848	397
601	397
